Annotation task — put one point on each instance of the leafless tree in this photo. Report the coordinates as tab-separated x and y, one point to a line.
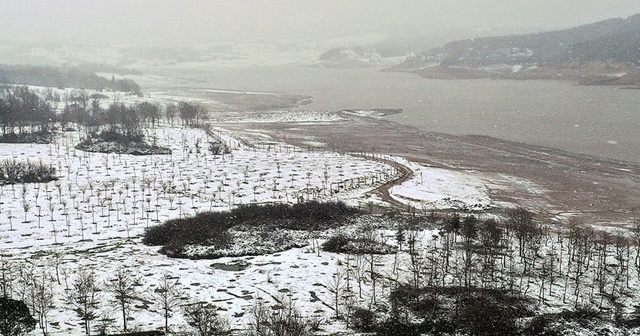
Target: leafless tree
123	288
520	221
7	276
84	297
282	320
417	261
43	295
490	235
204	319
170	112
335	284
469	232
167	295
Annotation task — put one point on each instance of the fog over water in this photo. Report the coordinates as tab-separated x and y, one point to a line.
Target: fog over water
593	120
599	121
207	21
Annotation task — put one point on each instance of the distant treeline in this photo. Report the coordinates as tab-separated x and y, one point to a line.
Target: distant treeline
63	78
99	67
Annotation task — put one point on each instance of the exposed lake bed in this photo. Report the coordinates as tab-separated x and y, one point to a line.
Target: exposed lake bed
558	136
594	120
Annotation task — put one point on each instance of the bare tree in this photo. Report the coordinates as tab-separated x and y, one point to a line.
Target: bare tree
204	318
122	287
490	236
417	262
281	320
7	276
170	112
469	231
335	284
84	297
188	112
520	221
168	297
43	298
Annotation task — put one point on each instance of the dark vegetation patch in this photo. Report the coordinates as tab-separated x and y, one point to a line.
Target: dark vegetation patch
439	310
41	137
213	229
456	310
110	141
356	244
142	333
13	172
50	76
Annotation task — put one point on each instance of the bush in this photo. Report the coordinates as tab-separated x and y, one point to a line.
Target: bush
543	325
336	243
363	319
211	228
475	311
15	318
361	244
12	172
206	228
41	137
559	324
483	317
113	136
439	326
283	319
581	313
393	326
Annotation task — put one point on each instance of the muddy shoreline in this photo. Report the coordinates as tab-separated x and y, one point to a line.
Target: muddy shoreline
552	182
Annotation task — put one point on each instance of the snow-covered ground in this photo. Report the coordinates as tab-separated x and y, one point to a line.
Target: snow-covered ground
94	215
436	188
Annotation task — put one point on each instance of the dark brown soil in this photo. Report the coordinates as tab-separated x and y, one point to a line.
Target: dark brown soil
548	181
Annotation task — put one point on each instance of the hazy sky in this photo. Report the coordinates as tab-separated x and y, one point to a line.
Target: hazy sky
173	21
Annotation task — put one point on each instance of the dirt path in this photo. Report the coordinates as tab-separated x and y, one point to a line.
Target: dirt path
599	191
383	191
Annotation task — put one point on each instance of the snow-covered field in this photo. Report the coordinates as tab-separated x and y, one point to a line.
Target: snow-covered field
435	188
94	215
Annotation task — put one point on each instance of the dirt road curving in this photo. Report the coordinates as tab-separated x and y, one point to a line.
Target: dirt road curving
383	191
545	180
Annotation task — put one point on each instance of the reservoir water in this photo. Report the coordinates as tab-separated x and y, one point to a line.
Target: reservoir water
593	120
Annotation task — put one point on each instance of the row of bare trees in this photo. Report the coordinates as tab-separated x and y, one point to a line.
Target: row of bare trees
576	263
38	285
82	109
23	110
518	254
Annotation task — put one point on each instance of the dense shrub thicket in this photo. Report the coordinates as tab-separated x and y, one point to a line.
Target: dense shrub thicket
357	244
40	137
447	310
301	216
12	172
211	228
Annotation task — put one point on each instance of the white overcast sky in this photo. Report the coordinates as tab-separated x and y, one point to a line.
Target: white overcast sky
187	21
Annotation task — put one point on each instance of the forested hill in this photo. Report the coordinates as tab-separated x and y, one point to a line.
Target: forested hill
63	77
596	49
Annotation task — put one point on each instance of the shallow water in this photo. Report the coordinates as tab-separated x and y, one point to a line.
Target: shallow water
599	121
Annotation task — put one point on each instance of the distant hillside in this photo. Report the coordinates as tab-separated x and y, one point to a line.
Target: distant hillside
395	48
63	77
598	53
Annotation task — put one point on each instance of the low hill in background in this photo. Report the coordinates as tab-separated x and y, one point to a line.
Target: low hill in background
606	52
